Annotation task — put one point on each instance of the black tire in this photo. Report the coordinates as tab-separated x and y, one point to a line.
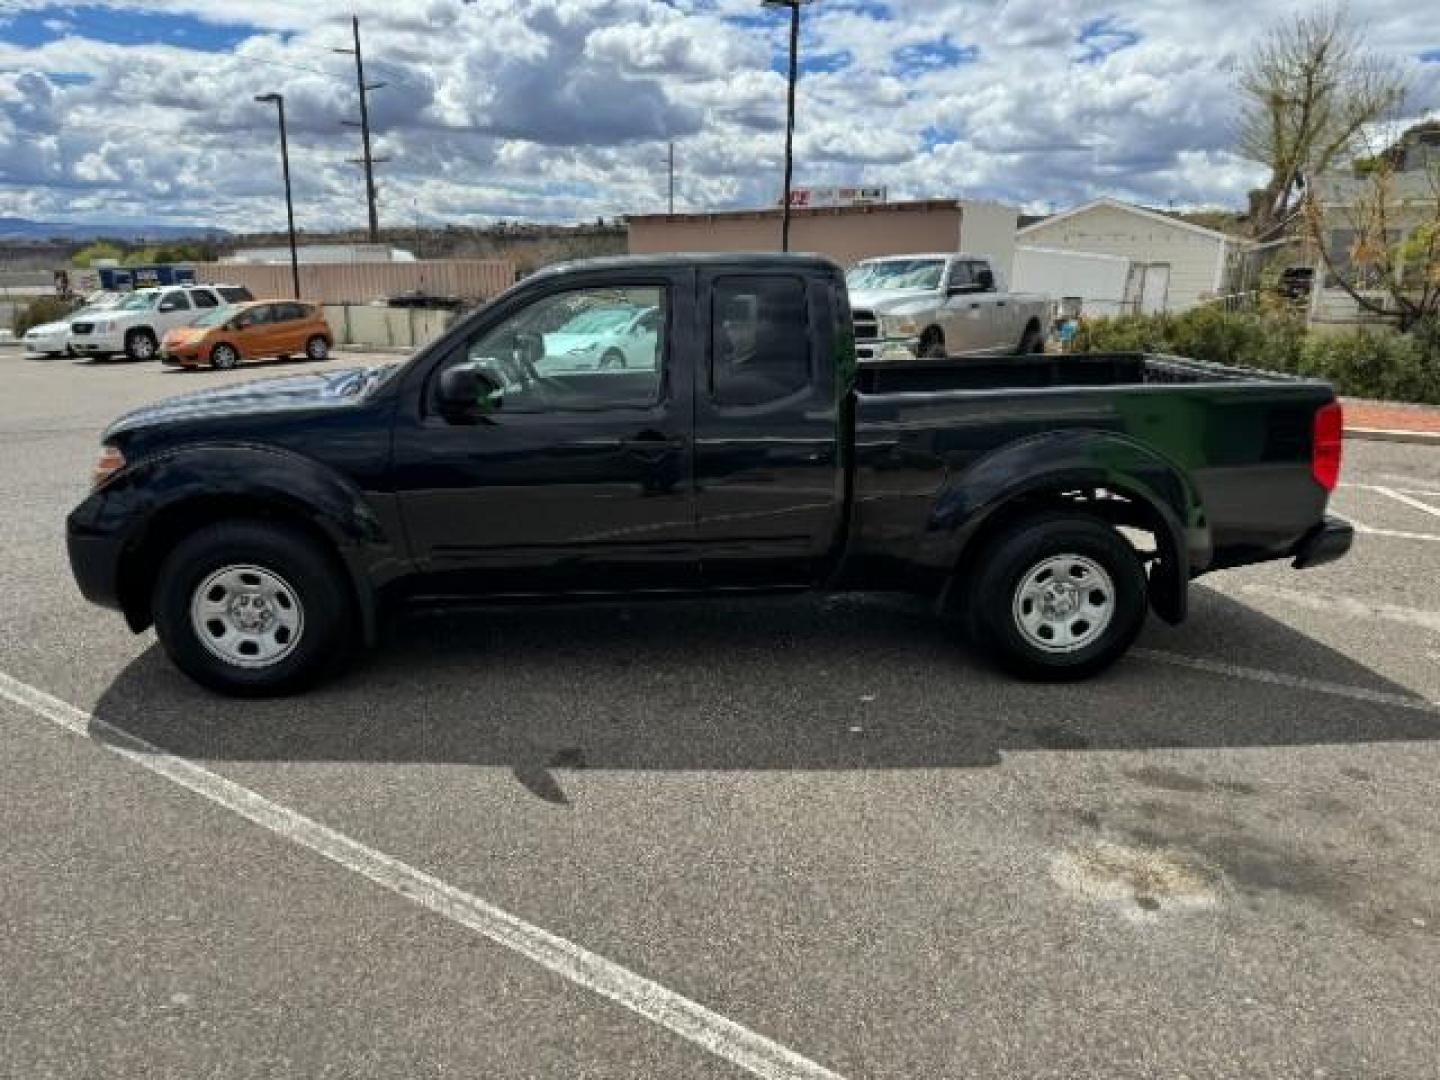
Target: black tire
994	599
1032	342
141	345
932	346
223	357
612	359
317	348
320	590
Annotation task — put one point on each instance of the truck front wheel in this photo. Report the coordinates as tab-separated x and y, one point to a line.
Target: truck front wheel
1057	597
252	609
932	345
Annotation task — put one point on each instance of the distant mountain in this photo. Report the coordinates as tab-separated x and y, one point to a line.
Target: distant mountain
13	229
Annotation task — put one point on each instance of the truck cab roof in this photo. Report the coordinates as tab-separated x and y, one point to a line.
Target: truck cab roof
749	260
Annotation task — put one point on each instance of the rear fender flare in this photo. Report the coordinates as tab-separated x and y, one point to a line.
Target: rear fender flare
1054	463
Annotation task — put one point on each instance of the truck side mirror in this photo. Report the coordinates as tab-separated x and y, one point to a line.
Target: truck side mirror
467	393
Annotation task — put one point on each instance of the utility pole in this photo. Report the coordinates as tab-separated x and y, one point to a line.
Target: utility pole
794	6
368	160
672	179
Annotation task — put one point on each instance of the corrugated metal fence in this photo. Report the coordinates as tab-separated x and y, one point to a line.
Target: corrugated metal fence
359	283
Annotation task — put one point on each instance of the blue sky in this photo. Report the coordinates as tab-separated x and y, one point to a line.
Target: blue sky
142	110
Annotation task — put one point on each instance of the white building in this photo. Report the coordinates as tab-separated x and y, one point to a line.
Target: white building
1174	265
320	254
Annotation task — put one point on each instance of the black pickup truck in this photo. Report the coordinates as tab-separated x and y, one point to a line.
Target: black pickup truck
697	425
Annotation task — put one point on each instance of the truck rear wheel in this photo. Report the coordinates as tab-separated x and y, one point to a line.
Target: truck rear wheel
1057	597
251	609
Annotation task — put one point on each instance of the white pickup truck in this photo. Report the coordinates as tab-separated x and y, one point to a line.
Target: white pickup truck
941	305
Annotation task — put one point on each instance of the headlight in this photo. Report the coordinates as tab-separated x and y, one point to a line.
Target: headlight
893	326
111	461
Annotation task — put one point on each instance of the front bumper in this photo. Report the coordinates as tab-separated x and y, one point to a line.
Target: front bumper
94	557
97	344
180	355
1328	541
48	345
887	349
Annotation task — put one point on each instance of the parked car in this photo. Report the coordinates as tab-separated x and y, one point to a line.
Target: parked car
941	305
265	329
617	338
1296	282
53	338
264	529
136	325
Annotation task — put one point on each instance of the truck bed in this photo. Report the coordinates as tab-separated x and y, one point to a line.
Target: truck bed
1241	436
1022	372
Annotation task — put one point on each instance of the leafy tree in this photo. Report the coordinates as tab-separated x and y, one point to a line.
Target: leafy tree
101	249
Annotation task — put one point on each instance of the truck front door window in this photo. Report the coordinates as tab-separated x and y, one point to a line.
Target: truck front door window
577	351
760	341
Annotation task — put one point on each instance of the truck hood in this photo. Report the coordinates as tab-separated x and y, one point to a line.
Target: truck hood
293	393
890	299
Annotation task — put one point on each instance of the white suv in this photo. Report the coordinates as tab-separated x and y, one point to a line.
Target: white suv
136	326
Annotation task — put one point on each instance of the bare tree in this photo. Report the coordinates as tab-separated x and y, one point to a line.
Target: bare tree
1309	89
1389	219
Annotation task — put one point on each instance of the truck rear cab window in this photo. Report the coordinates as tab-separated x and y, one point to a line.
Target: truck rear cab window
204	298
759	341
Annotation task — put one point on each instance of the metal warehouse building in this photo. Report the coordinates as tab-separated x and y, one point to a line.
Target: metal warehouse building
846	234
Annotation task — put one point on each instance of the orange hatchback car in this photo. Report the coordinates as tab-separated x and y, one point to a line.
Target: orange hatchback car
259	330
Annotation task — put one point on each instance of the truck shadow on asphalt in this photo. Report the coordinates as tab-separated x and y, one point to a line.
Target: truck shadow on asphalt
818	683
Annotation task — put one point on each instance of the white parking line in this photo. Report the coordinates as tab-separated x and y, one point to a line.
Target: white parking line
1294	682
720	1036
1391	487
1395	534
1340	605
1410	501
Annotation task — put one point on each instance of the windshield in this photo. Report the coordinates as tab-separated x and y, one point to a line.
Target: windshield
103	301
897	274
215	318
138	302
598	321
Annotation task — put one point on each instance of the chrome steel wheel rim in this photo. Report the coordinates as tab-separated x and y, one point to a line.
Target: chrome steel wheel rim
142	347
247	616
225	356
318	349
1064	604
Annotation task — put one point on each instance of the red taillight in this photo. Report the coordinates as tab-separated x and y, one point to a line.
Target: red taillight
1325	451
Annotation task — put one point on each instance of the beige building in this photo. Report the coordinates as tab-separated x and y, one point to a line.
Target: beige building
1177	265
846	234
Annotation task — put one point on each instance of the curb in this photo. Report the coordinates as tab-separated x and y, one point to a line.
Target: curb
1393	435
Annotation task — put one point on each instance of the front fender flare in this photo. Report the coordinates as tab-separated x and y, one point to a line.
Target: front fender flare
239	480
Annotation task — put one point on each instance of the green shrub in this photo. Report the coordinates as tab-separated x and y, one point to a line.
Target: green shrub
1373	364
42	309
1392	367
1249	339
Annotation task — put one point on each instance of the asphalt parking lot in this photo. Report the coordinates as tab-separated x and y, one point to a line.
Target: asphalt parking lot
863	852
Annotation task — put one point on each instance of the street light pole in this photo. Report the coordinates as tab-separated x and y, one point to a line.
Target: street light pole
794	6
279	101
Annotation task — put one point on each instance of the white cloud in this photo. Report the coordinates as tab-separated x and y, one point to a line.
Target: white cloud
562	108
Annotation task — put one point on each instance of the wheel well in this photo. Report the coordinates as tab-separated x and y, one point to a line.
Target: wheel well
1135	519
1033	324
930	334
139	330
140	562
